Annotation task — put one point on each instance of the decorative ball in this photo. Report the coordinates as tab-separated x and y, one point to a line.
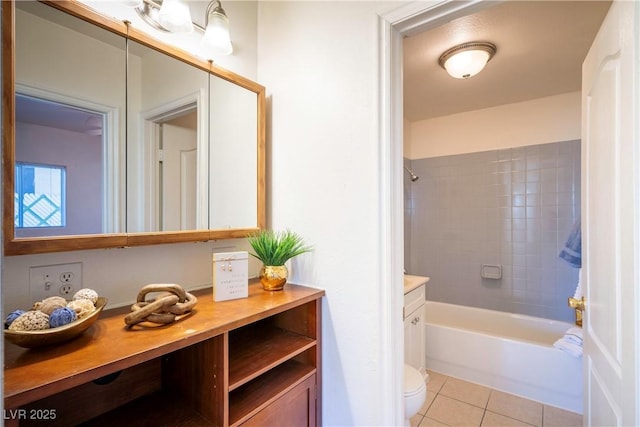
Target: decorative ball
48	305
86	293
62	316
30	321
82	307
11	317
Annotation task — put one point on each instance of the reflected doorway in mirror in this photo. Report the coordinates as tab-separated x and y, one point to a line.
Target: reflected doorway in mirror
61	133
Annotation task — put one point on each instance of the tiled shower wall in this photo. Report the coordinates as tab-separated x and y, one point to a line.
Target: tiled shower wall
512	207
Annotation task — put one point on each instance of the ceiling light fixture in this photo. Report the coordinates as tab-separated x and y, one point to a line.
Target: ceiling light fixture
93	125
216	35
467	59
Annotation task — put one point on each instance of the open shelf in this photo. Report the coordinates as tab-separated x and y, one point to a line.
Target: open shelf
253	351
249	399
161	408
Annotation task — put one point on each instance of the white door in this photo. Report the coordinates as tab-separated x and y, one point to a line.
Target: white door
611	220
178	180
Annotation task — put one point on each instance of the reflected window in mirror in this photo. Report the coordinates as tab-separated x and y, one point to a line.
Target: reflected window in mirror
40	196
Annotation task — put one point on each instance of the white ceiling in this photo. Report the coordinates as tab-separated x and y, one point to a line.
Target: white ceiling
540	49
55	115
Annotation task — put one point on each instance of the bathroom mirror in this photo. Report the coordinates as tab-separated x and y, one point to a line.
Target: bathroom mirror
233	126
88	152
167	142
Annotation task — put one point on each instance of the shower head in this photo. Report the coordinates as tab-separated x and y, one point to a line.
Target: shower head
414	177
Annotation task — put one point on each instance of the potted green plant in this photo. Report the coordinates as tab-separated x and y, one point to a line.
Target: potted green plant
274	248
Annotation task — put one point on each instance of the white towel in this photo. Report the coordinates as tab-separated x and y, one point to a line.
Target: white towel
574	335
571	342
574	350
578	294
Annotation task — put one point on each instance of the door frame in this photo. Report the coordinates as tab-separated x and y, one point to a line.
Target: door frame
150	128
408	19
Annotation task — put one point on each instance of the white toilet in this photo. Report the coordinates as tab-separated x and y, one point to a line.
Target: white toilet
415	392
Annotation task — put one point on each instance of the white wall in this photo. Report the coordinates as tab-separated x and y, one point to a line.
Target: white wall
406	138
118	274
318	61
550	119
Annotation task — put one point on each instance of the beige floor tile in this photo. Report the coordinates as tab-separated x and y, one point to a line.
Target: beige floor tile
465	391
436	380
556	417
428	422
427	402
516	407
492	419
454	413
415	420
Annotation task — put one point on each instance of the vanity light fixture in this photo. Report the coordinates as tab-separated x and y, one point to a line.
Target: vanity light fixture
216	35
170	16
173	16
467	59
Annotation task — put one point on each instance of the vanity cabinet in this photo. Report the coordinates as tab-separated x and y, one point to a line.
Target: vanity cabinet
414	330
246	362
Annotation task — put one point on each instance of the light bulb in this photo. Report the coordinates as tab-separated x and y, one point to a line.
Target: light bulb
467	63
216	37
175	16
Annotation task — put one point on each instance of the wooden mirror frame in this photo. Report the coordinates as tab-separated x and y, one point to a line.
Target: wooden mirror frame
35	245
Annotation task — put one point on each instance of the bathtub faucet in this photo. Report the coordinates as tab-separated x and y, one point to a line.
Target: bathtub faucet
578	304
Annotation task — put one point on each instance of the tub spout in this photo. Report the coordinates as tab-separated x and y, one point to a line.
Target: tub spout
578	304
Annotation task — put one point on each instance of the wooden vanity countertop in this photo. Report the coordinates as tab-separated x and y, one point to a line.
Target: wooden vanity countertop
109	346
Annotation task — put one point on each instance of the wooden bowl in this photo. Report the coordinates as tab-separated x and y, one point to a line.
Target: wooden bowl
33	339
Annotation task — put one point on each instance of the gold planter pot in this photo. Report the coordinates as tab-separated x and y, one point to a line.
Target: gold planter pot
273	277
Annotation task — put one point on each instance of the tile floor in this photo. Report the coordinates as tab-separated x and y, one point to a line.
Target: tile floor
457	403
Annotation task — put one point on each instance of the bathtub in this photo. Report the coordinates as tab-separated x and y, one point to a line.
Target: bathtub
505	351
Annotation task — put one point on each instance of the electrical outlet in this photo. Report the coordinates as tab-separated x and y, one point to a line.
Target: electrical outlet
61	280
66	277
